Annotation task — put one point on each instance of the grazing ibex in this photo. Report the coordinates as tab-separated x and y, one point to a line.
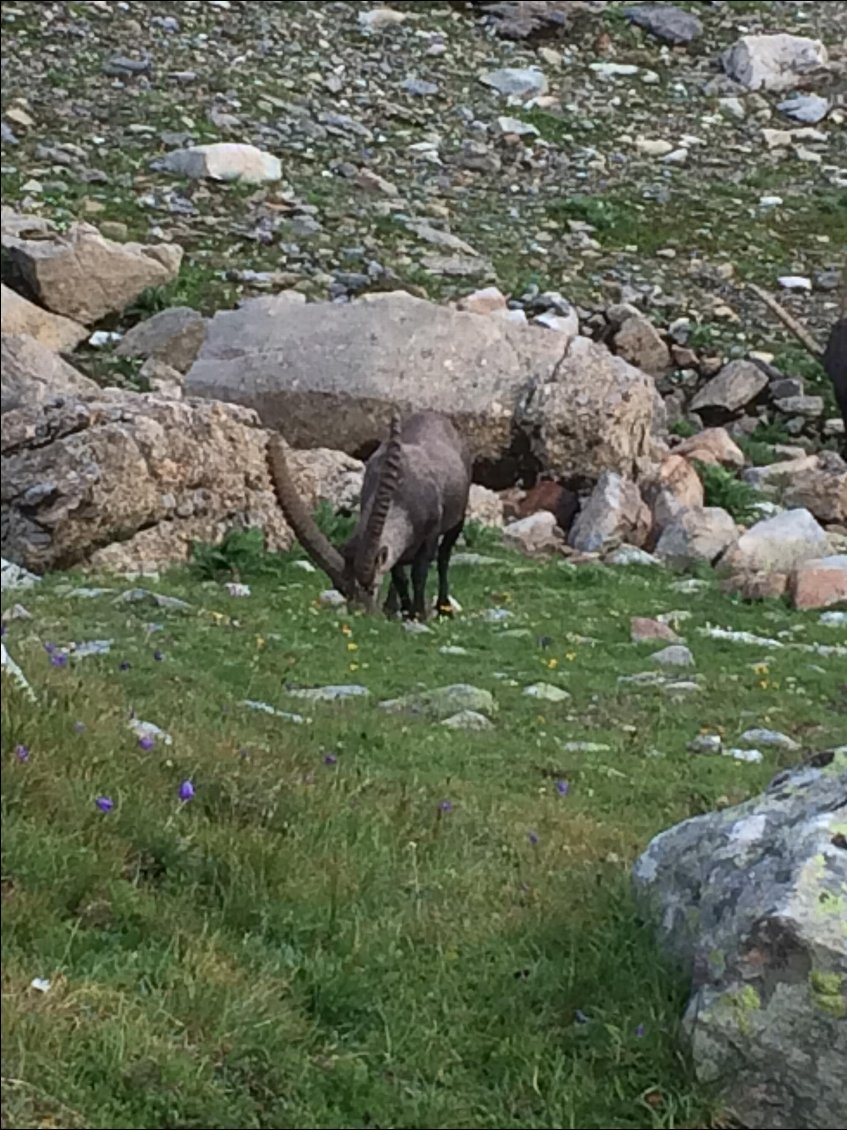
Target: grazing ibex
414	498
835	354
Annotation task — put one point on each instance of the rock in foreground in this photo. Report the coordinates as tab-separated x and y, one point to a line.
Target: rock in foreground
751	900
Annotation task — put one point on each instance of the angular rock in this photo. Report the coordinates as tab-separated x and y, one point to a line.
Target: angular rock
224	161
644	630
20	316
16	577
536	534
810	407
547	692
773	478
443	702
735	386
748	899
772	738
331	374
676	655
32	373
821	489
666	22
698	534
335	693
675	488
174	335
489	300
713	445
486	507
126	480
761	585
517	82
773	62
777	544
84	276
820	583
615	513
639	342
806	108
631	555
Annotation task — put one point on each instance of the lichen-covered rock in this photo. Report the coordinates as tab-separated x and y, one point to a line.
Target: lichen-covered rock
752	901
443	702
130	481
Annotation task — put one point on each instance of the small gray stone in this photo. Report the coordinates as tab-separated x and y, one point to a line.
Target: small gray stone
546	692
442	702
468	720
266	708
89	648
16	577
752	756
706	743
666	22
676	655
772	738
419	86
810	407
517	82
332	693
584	747
735	386
632	555
807	108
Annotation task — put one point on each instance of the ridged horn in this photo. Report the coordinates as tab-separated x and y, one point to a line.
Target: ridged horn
316	544
389	481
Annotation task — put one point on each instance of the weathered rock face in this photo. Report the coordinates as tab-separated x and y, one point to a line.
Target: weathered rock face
32	373
666	22
699	534
614	513
751	900
676	487
534	535
129	481
174	336
596	413
640	343
332	374
773	62
485	506
778	544
20	316
327	476
84	276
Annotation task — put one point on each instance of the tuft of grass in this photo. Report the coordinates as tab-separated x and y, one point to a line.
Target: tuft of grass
722	488
315	938
683	428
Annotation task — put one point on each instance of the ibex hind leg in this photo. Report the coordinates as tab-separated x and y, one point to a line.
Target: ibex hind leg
398	599
445	608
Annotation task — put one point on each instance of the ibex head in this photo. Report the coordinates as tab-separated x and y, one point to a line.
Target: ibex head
357	568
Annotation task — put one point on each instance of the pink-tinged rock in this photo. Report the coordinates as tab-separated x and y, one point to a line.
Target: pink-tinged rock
713	445
820	583
643	630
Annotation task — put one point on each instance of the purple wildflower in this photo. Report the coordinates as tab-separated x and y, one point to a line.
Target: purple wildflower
533	838
639	1032
49	648
446	806
146	742
105	803
22	752
58	659
124	665
186	791
563	788
330	759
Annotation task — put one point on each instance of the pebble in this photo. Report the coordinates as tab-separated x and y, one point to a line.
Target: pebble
149	730
677	655
754	756
807	108
706	743
584	747
468	720
331	598
546	692
795	282
632	555
332	693
233	588
773	738
453	649
266	708
16	577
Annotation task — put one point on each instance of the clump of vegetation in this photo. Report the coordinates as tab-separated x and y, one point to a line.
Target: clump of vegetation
683	428
239	556
721	488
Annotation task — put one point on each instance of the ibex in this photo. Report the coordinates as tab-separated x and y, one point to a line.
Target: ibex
414	498
835	354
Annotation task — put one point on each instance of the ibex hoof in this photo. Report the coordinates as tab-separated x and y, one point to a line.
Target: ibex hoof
445	610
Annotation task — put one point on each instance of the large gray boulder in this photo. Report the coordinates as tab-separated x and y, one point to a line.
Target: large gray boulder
331	374
20	316
773	62
751	901
778	544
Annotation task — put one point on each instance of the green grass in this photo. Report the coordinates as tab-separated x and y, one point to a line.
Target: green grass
313	941
721	488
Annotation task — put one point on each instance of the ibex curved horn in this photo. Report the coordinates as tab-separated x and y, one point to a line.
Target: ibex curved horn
389	480
317	545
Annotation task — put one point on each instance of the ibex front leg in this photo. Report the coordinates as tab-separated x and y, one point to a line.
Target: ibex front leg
420	570
398	598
